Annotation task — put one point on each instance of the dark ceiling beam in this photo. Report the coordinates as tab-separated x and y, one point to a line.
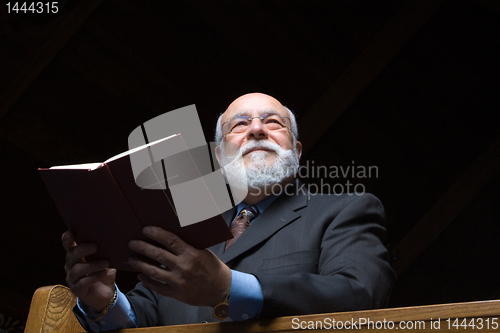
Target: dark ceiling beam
225	21
447	208
364	69
421	86
335	64
27	131
493	4
87	69
135	60
115	73
48	50
34	36
4	21
286	42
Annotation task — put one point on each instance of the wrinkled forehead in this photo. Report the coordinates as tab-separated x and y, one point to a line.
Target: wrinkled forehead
254	107
250	113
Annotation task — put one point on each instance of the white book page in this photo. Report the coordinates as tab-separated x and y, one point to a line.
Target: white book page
93	166
128	152
84	166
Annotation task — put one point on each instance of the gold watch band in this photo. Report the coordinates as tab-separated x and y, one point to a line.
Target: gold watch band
221	310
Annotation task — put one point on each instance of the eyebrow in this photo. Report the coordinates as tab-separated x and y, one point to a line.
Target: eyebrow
246	113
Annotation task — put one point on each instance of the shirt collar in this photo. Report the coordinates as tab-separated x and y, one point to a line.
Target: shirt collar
261	205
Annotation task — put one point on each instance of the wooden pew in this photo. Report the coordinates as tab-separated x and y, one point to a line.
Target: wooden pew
51	311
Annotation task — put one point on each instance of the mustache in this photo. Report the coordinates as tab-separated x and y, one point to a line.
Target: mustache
260	144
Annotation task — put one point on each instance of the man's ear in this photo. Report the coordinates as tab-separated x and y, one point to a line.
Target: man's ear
218	157
298	145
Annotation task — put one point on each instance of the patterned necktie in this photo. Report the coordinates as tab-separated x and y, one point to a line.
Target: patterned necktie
241	223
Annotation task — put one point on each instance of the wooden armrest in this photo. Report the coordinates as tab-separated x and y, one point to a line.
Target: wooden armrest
51	311
414	319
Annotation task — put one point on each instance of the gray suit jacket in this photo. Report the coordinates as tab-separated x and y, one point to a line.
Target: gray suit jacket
311	254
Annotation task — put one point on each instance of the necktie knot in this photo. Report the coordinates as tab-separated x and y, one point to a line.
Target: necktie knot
241	223
251	212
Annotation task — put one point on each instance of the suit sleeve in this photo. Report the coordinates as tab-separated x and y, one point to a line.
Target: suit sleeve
353	271
144	303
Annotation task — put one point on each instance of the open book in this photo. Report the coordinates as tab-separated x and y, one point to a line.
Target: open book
102	203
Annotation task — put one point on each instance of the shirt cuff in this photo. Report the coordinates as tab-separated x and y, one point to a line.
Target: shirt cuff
120	315
246	298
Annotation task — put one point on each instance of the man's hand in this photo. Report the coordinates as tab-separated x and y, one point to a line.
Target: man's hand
192	276
92	282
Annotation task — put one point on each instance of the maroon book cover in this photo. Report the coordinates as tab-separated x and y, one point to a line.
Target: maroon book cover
103	205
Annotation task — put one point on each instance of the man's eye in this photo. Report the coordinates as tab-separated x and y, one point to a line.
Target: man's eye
239	126
273	124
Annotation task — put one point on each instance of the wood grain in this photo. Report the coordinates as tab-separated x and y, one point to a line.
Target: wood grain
422	314
51	312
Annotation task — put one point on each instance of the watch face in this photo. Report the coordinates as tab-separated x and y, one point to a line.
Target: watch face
221	311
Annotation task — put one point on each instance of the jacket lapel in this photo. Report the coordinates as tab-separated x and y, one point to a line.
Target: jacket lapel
281	212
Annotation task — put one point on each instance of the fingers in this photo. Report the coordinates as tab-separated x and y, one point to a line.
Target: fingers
68	240
81	285
93	282
77	270
171	242
158	254
81	270
192	276
76	253
150	271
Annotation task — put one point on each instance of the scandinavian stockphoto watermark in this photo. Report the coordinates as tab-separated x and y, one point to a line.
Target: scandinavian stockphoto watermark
310	170
321	179
337	179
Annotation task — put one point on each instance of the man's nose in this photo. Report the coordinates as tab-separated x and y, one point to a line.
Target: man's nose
256	130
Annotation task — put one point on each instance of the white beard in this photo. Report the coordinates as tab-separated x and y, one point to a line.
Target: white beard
258	174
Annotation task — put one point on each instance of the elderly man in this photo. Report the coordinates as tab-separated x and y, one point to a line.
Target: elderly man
293	253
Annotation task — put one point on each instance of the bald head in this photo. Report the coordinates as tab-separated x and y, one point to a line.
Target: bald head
252	102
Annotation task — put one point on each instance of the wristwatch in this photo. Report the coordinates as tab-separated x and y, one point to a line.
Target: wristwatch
221	310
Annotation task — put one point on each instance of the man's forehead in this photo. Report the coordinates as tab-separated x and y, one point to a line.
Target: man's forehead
256	105
251	112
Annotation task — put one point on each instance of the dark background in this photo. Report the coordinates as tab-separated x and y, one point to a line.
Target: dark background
408	86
